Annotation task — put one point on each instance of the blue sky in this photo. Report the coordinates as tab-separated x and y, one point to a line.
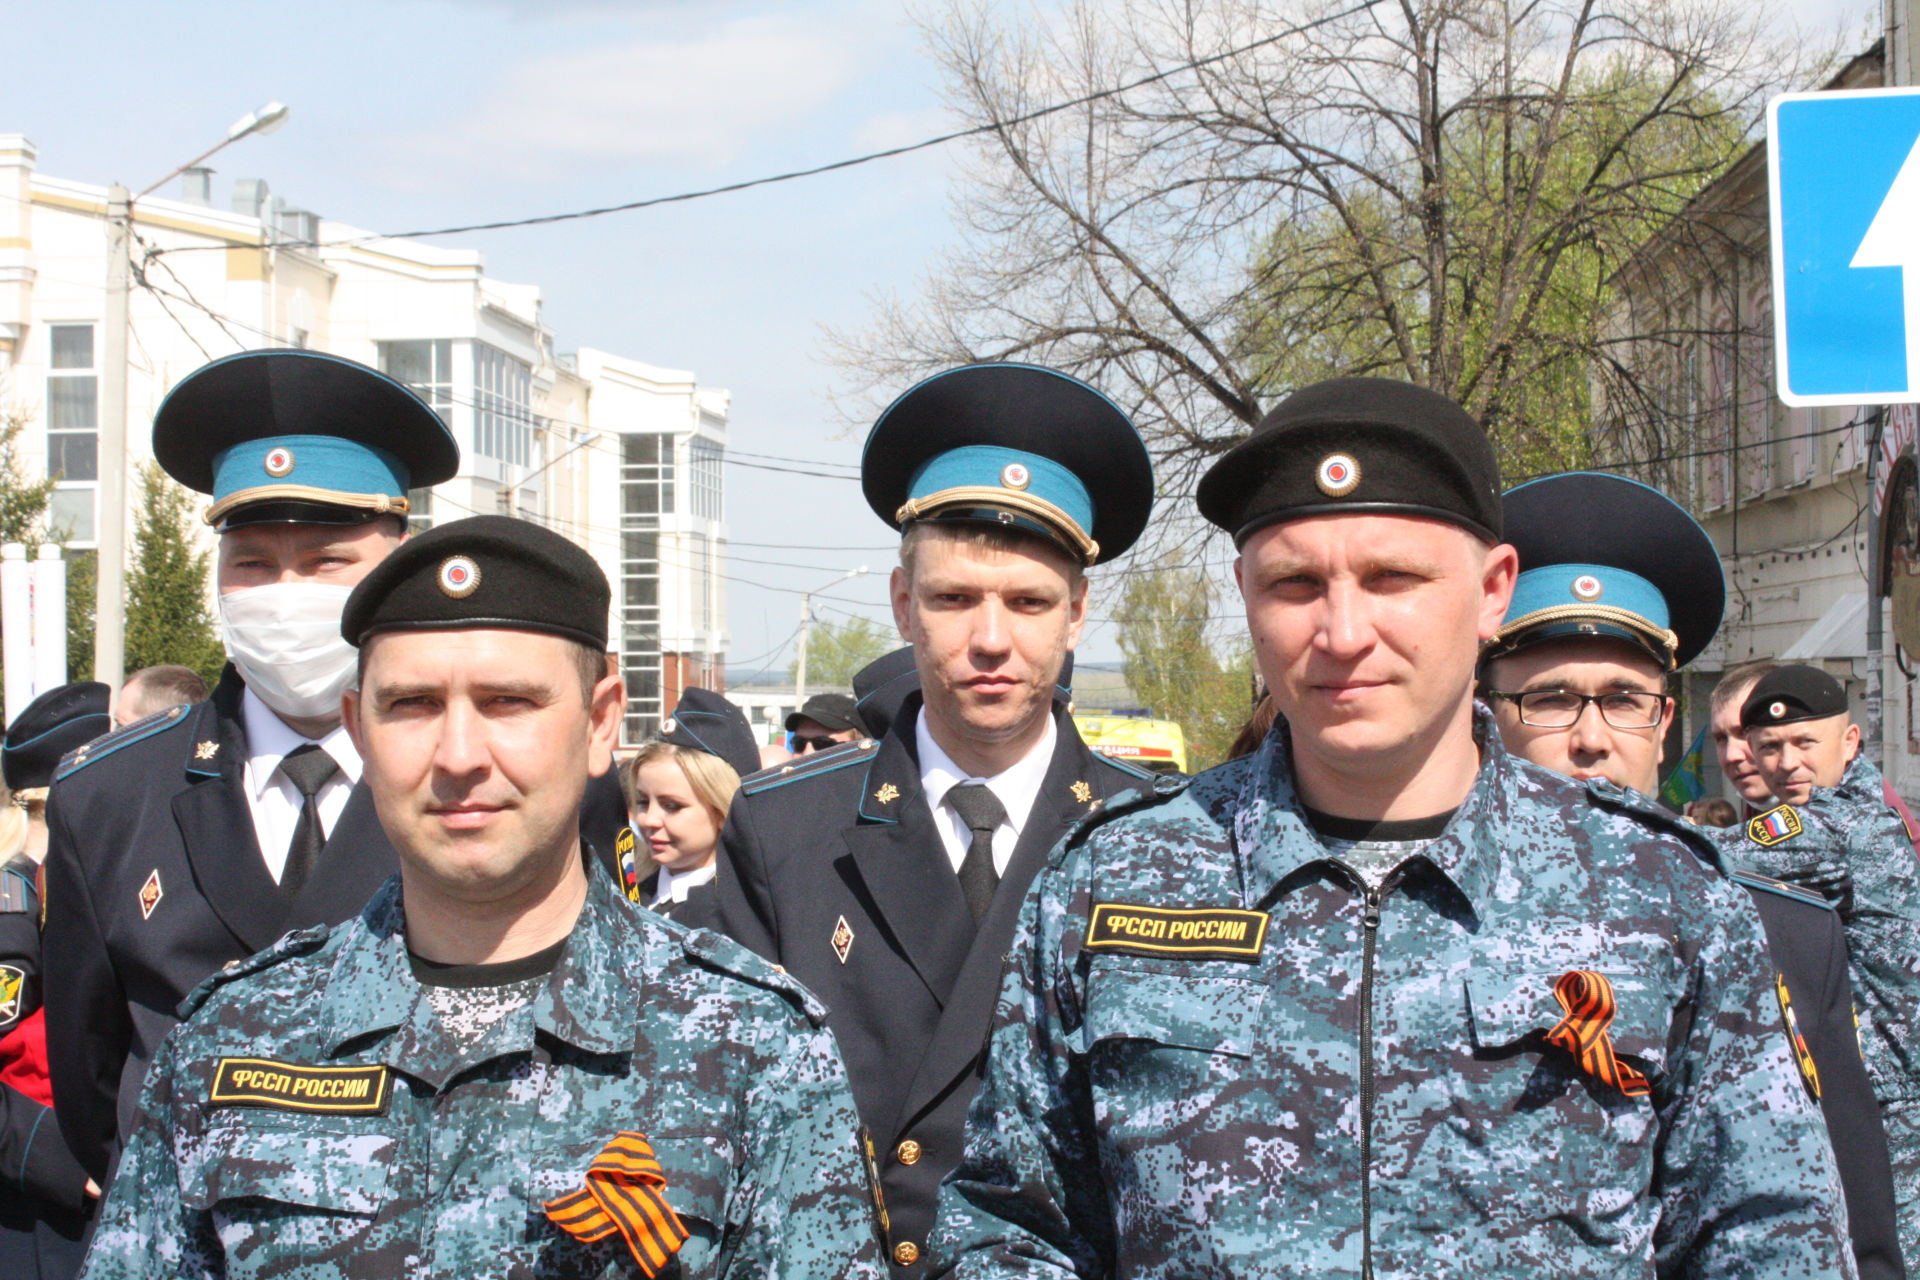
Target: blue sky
421	113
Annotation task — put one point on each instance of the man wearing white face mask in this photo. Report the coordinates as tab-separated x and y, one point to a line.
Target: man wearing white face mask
200	835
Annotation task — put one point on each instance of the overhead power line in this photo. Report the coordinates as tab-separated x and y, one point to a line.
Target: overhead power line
851	162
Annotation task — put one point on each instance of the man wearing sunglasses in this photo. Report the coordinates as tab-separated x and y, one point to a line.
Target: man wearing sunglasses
823	722
1618	587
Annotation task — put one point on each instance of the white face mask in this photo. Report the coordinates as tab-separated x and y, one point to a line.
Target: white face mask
285	640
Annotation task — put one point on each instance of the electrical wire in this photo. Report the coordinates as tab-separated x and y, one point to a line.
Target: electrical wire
992	126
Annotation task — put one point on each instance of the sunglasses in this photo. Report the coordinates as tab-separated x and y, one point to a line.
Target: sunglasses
814	742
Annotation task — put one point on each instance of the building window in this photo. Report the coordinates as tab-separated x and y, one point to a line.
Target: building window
73	430
646	475
640	630
503	406
426	366
706	479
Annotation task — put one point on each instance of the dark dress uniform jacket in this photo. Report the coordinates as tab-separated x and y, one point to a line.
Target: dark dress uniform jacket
42	1202
1807	944
846	836
163	802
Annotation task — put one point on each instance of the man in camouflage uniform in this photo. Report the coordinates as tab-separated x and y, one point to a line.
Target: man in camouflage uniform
1380	1000
1837	835
500	1068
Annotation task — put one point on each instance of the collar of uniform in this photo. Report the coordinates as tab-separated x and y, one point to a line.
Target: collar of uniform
1271	830
893	779
372	989
1015	788
270	739
218	720
671	886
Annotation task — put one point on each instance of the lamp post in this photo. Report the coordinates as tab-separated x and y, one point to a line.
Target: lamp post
110	630
806	625
512	491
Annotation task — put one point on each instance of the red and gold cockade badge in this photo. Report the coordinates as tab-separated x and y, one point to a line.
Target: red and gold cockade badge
1587	1004
625	1192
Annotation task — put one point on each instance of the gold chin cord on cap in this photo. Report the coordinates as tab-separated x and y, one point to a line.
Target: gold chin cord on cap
1013	500
1667	641
380	504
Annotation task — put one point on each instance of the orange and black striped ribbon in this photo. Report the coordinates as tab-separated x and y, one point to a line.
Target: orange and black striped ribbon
1586	1000
625	1192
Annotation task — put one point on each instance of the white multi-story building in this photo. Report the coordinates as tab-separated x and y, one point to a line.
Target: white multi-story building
622	457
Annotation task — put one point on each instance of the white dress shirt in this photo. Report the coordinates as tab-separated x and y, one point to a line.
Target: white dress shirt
674	886
1016	788
271	796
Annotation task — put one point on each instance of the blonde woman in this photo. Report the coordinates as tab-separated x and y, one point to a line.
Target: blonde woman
679	788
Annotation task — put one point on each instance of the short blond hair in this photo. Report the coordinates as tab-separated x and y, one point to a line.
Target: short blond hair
1738	680
713	780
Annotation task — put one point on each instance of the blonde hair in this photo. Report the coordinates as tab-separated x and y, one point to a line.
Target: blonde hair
13	830
713	780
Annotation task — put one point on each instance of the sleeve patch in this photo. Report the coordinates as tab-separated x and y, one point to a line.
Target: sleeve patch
1775	826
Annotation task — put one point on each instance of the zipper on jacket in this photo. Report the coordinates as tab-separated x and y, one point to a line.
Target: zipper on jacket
1369	940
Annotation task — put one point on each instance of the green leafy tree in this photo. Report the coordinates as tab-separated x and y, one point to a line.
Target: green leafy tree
836	651
1171	663
23	502
168	619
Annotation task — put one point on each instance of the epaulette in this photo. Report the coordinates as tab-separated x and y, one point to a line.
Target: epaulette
1164	787
1127	767
1767	884
17	892
730	957
1776	826
811	765
1706	848
300	942
125	736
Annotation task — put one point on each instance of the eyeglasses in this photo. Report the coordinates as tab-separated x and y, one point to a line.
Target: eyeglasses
1562	708
816	742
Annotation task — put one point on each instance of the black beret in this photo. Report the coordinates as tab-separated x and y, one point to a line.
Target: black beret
1604	555
1016	445
1357	446
483	572
51	725
300	436
707	721
832	711
1788	695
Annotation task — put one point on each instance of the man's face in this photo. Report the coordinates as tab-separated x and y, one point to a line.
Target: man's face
990	628
1730	744
807	733
1796	758
1367	628
478	746
1591	747
339	555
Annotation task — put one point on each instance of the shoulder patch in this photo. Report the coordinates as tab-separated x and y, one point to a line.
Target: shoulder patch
102	747
300	942
1767	884
730	957
810	766
1776	826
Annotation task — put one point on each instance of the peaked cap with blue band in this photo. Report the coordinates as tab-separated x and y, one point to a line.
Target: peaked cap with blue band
1015	445
50	726
707	721
1604	555
300	436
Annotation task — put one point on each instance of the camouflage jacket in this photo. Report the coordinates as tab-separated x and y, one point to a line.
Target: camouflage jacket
719	1060
1216	1055
1850	844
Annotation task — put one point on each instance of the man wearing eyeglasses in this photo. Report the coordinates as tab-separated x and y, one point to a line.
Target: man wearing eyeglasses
1618	587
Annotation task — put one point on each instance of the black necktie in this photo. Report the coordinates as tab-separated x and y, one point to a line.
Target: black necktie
307	767
982	811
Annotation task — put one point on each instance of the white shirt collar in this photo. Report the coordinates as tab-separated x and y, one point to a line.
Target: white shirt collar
1016	787
675	886
269	739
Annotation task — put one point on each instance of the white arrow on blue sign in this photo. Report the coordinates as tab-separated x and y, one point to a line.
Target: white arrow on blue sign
1844	170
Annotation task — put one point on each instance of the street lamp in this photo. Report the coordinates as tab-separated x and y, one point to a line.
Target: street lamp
110	633
806	625
511	491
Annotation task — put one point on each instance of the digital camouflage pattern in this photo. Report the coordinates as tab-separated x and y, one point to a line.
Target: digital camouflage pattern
1853	848
1182	1115
719	1060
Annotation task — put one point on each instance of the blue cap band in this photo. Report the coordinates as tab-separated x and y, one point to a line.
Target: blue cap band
983	466
324	464
1562	586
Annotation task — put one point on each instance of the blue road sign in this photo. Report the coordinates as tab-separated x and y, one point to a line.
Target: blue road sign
1844	171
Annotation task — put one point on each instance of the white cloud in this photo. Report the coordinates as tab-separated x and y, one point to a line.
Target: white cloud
697	98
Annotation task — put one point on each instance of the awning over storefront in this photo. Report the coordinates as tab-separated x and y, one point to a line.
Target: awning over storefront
1841	632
